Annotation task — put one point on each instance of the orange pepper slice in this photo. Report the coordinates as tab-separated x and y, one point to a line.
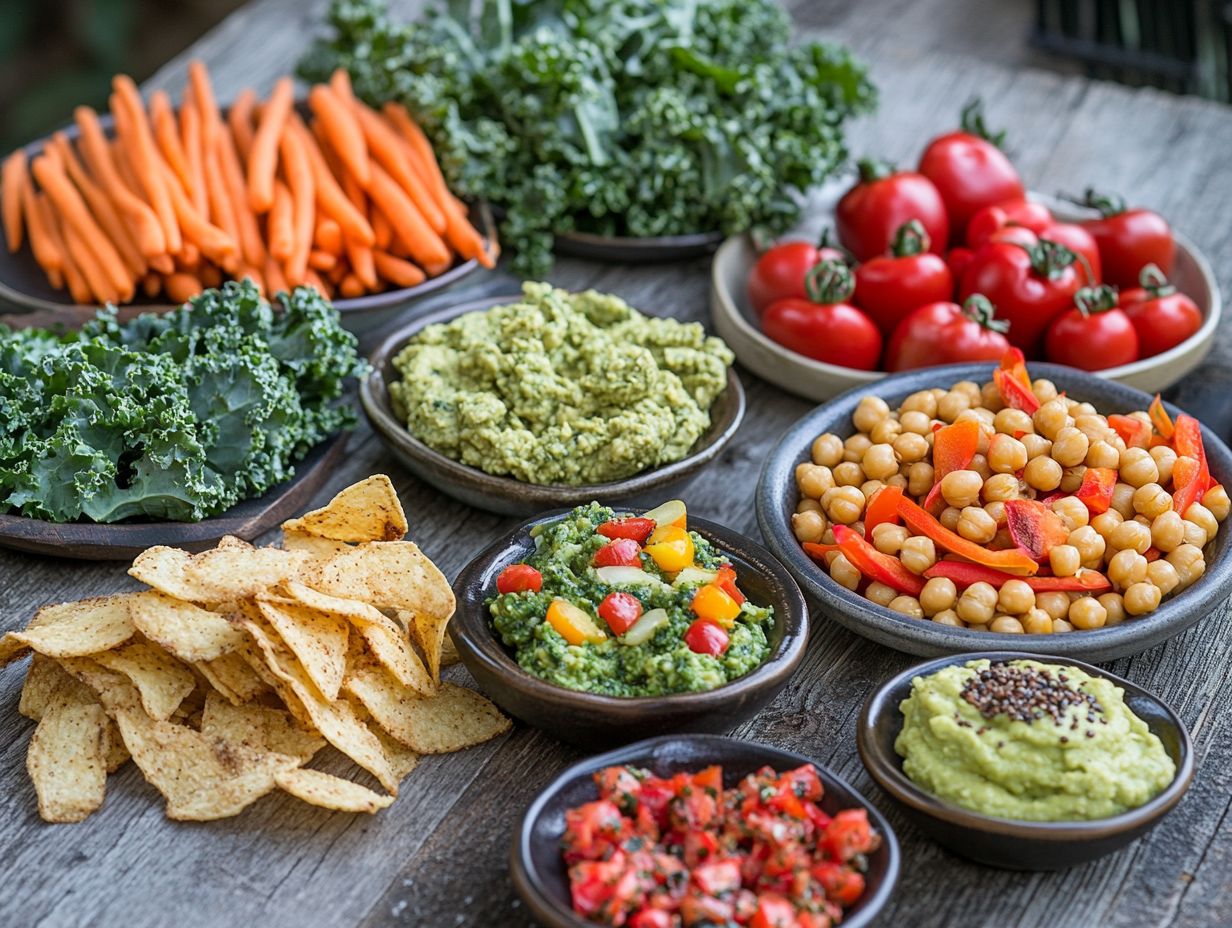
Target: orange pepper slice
1014	560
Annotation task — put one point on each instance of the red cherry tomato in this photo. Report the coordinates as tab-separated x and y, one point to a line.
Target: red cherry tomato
634	527
1094	334
780	271
957	260
1029	284
706	637
620	610
969	169
1162	316
991	219
889	287
871	213
946	333
1129	239
1080	242
826	327
622	552
519	578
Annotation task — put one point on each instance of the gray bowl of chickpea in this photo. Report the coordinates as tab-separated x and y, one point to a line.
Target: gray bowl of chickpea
951	576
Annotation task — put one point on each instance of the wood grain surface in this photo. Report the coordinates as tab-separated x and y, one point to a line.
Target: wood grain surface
437	857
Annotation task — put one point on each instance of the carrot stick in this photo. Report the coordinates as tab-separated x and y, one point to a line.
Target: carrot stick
251	245
76	281
44	240
321	260
207	106
358	254
190	129
342	126
164	264
96	276
280	223
101	261
333	201
405	218
151	285
388	150
222	211
328	236
313	279
147	232
436	270
275	282
263	156
140	142
295	164
214	243
340	270
397	271
181	287
239	118
14	177
381	228
167	135
340	84
188	258
250	272
210	275
351	287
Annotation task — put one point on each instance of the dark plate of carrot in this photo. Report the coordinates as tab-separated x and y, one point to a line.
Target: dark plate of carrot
146	205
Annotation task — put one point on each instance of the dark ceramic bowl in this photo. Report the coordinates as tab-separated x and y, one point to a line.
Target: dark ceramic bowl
777	497
506	495
601	721
652	250
539	872
1008	843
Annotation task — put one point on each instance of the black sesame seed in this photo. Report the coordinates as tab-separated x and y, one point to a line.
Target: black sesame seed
1025	694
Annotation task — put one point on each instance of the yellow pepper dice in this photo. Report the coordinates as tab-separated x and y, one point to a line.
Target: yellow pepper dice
710	602
574	625
671	547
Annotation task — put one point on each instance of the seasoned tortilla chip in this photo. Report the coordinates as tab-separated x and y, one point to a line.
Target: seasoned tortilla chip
114	690
365	511
428	631
201	778
402	760
319	549
220	575
318	639
66	761
331	792
162	681
449	652
387	574
74	629
336	721
261	728
231	676
48	684
187	631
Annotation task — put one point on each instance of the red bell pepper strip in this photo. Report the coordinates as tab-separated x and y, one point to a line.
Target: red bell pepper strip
1192	482
1152	554
1097	486
1160	417
953	448
882	507
964	574
1049	498
816	551
1134	432
1034	527
882	568
1014	383
918	520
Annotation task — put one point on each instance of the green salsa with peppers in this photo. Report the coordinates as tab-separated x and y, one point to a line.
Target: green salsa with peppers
564	555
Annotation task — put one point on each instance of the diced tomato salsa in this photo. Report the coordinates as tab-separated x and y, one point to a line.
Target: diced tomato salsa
684	851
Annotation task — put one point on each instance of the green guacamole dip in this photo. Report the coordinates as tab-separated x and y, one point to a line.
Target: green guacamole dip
1073	751
560	388
663	664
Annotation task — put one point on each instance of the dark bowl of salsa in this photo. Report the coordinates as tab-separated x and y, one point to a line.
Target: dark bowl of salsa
616	715
542	878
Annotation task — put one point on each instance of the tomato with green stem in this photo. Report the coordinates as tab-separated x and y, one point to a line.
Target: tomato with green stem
1094	334
826	327
781	269
890	286
1128	239
946	333
1162	316
1020	212
870	214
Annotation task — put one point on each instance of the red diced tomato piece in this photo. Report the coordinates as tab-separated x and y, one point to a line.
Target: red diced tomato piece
622	552
634	527
620	610
849	834
592	827
726	581
718	877
699	846
519	578
706	637
651	918
589	886
804	782
773	911
841	883
619	785
710	778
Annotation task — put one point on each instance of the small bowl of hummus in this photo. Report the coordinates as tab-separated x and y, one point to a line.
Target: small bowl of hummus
1024	762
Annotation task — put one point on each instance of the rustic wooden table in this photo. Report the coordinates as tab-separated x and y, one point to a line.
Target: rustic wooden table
437	857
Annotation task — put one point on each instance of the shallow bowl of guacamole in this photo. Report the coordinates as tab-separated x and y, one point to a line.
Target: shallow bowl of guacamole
607	692
522	403
1025	762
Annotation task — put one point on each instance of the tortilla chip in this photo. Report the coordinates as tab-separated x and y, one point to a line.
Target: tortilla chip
201	778
365	511
73	629
220	575
115	754
336	721
319	549
449	653
262	728
66	761
231	541
231	676
48	684
402	760
331	792
187	631
318	639
428	631
386	574
114	690
162	681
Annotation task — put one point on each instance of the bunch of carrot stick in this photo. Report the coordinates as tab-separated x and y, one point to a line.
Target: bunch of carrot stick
351	201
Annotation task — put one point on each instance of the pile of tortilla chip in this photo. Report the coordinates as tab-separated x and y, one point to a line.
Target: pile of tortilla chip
227	676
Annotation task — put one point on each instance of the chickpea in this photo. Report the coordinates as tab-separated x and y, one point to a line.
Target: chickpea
888	538
881	594
979	464
962	488
1138	467
1065	560
1123	500
1071	478
938	595
869	487
1189	562
996	511
1055	604
827	449
987	417
1195	534
950	406
1010	421
870	411
843	504
949	617
1037	622
924	401
1087	613
1015	597
898	480
1168	531
808	526
920	478
907	605
1006	454
1126	568
1069	447
828	538
857	527
1114	605
1141	598
1060	626
1202	517
814	479
1042	473
911	447
1083	409
807	504
1105	522
1036	445
1102	454
977	603
1002	541
1131	535
918	553
1163	575
1050	418
1164	458
1151	500
879	462
990	397
855	446
969	387
1072	512
1006	625
843	573
1090	544
950	517
915	421
1000	487
848	474
1216	501
974	524
1044	390
885	431
1094	427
